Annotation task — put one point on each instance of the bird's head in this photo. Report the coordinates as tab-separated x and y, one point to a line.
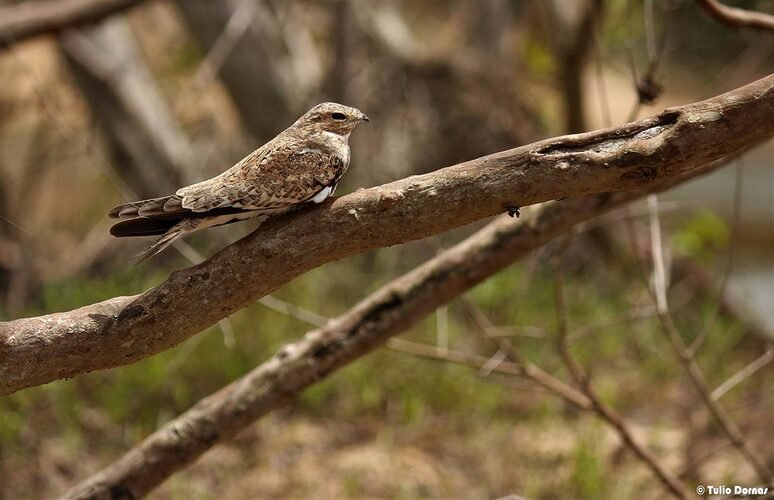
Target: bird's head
333	117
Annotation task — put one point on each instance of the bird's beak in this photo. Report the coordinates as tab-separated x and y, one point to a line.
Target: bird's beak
364	118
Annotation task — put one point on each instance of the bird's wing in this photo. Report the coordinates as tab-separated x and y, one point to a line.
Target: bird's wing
280	179
268	179
167	207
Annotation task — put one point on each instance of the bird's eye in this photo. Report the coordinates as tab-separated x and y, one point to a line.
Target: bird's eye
339	116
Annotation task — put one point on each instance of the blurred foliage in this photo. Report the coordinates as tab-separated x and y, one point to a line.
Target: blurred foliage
701	236
588	478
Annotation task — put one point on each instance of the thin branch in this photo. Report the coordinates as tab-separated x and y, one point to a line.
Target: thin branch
542	378
606	412
574	43
729	305
648	89
577	372
234	30
236	35
659	267
692	368
718	412
736	217
736	17
388	311
528	369
635	156
27	19
743	374
632	314
293	310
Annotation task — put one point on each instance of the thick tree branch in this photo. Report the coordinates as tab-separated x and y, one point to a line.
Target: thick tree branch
738	17
28	19
634	156
386	312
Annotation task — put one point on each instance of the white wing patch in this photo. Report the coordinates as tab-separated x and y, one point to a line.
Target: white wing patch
323	195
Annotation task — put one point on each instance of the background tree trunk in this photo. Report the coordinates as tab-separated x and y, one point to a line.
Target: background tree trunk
246	71
149	148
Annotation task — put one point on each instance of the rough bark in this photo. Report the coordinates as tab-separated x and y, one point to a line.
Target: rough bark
388	311
32	18
634	156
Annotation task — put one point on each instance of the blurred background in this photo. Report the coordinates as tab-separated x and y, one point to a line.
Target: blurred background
171	92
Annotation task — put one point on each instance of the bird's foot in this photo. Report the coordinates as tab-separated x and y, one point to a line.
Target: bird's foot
513	210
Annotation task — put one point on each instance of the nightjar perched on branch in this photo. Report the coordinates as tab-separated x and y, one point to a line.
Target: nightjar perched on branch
303	164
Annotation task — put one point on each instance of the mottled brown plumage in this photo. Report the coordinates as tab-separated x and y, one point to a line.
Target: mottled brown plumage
302	164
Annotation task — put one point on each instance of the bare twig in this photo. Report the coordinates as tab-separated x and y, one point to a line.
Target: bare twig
578	374
484	365
635	156
574	43
648	89
238	45
735	222
689	362
63	128
292	310
729	306
736	17
528	369
603	410
743	374
692	466
627	316
718	412
234	30
657	251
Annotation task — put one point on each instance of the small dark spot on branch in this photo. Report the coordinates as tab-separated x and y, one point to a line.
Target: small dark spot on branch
392	302
327	349
121	492
130	313
640	174
602	199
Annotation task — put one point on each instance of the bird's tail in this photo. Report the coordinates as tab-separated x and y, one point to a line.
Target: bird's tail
182	228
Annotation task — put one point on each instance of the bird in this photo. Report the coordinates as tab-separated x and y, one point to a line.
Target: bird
301	166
